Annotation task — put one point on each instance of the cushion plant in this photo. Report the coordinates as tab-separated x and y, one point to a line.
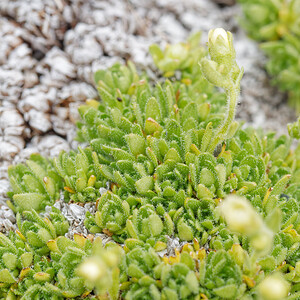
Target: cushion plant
164	161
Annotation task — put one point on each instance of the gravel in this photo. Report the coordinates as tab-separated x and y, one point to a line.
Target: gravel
75	215
49	50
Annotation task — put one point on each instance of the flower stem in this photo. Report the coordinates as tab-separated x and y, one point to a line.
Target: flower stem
232	94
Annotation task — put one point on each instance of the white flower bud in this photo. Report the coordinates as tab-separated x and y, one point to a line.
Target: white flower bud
240	215
263	240
274	287
220	47
91	270
218	34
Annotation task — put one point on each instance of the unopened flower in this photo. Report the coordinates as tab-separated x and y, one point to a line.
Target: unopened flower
240	215
219	43
218	35
92	270
263	240
274	287
242	218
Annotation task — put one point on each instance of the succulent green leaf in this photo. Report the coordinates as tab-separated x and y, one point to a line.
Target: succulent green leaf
6	277
29	201
136	144
144	185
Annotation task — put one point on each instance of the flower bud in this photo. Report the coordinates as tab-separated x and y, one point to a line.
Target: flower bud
218	43
218	35
240	215
274	287
92	270
212	74
262	242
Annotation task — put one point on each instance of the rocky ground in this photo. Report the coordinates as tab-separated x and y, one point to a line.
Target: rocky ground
49	50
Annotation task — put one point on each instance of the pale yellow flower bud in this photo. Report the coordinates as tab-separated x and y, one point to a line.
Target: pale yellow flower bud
221	49
92	270
263	240
274	287
218	35
242	218
240	215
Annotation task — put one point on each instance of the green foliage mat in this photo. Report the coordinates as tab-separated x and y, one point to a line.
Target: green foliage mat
178	166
